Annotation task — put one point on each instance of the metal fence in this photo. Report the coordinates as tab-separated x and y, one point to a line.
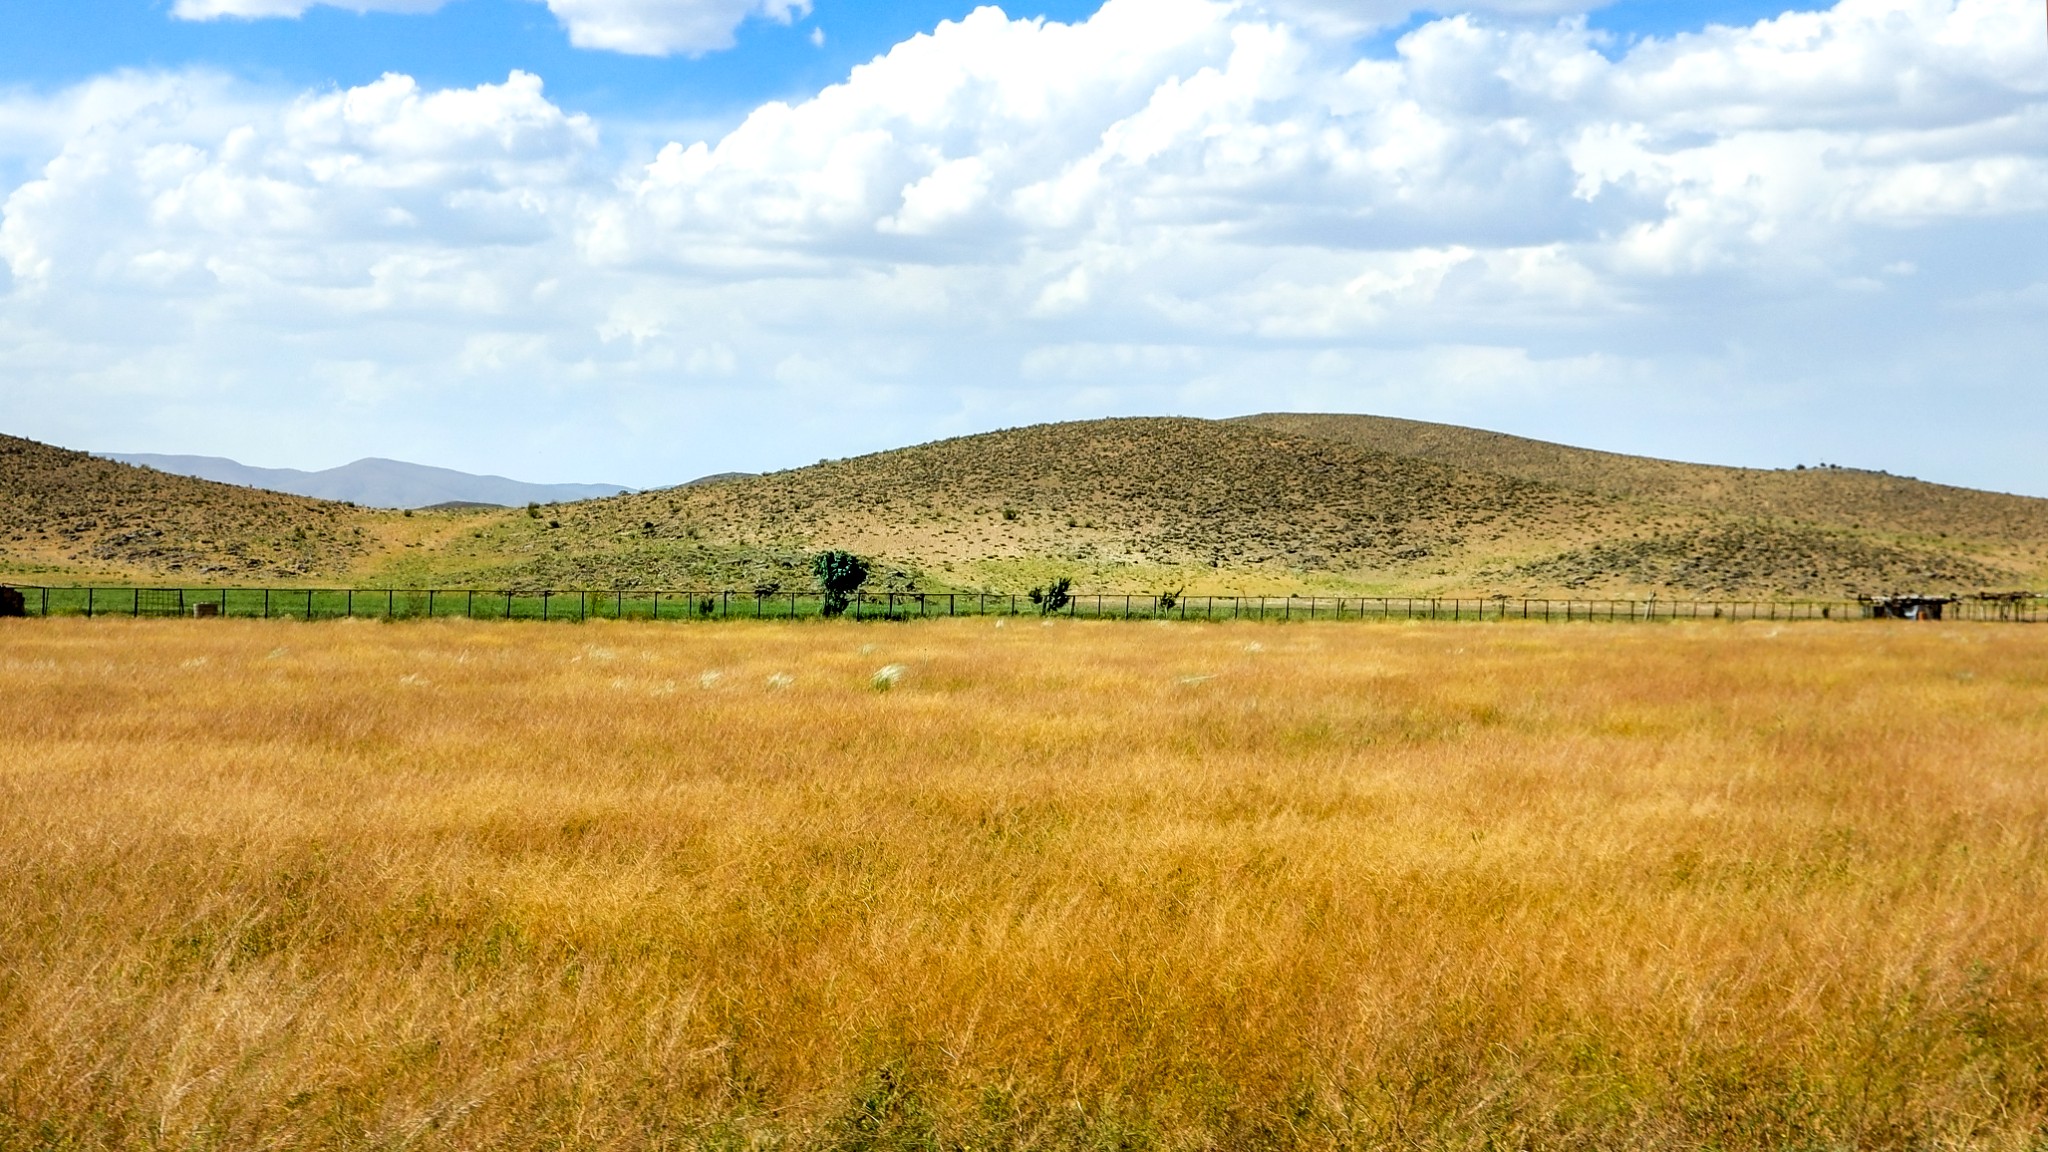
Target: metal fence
644	604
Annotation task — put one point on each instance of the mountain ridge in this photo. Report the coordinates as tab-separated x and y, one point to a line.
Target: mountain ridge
373	481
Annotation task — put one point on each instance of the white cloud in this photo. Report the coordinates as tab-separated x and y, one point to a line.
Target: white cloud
1174	204
665	27
636	27
312	192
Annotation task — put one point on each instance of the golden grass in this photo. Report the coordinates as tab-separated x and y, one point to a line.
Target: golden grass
478	885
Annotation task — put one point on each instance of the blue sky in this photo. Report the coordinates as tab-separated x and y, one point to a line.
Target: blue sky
468	42
641	240
53	43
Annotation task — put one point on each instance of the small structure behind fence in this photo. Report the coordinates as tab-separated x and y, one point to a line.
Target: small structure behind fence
1906	607
649	604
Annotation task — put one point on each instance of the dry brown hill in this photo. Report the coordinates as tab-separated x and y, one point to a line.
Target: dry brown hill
66	513
1265	505
1141	500
1152	504
1837	497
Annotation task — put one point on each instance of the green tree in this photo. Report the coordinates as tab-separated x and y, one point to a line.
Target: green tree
1052	597
840	574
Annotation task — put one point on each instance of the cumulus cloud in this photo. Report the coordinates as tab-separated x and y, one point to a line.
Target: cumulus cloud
243	192
1176	204
665	27
636	27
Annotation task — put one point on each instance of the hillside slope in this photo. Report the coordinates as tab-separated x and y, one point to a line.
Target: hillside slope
70	514
1141	500
1210	506
1262	506
1836	497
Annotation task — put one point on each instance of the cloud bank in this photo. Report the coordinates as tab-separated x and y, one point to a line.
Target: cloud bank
1748	240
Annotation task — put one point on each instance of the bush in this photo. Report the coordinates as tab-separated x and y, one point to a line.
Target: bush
840	574
1052	597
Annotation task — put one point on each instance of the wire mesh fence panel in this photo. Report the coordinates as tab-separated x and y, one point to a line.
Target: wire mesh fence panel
158	602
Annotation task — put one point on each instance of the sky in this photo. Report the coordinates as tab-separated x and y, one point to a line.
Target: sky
639	241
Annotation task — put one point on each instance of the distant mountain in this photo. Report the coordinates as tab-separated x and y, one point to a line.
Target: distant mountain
373	482
71	515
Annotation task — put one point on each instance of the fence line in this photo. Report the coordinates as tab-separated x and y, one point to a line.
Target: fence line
726	604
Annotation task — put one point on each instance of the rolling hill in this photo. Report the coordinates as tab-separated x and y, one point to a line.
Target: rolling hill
69	514
1842	497
1259	505
1154	504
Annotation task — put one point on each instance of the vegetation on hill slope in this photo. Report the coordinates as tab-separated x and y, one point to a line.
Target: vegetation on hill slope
1848	498
1138	503
70	513
1266	505
1147	505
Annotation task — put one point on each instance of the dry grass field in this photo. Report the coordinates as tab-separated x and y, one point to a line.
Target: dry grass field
455	885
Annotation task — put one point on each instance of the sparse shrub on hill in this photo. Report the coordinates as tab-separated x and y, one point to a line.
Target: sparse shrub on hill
68	512
840	574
